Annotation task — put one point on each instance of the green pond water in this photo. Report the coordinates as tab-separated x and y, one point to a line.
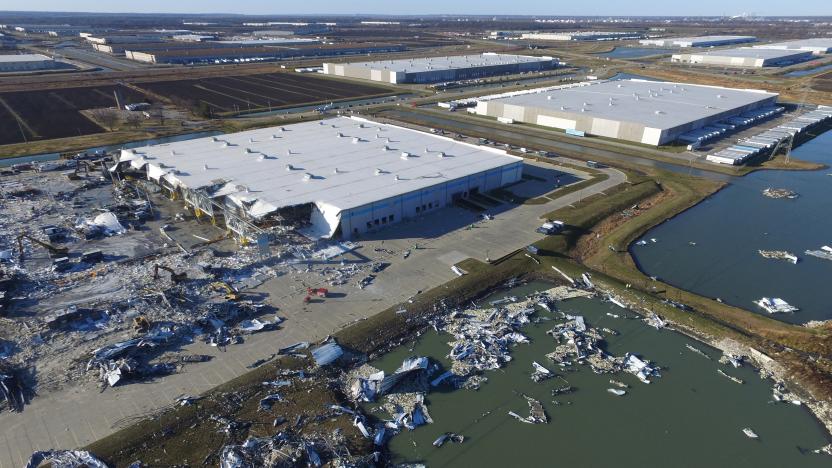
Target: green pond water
689	417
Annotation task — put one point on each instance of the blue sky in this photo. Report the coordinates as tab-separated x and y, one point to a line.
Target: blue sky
486	7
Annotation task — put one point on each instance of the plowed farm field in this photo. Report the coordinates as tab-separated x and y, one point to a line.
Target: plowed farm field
238	94
55	113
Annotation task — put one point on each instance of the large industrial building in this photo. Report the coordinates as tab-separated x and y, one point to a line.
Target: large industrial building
818	46
436	69
582	36
25	62
648	112
700	41
338	177
199	55
744	57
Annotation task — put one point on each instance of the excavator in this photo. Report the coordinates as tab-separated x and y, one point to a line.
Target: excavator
230	293
54	251
174	276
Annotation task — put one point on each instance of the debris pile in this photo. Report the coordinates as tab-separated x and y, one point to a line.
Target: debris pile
581	344
483	337
780	193
65	459
537	415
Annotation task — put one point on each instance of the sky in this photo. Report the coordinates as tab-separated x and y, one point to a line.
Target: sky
478	7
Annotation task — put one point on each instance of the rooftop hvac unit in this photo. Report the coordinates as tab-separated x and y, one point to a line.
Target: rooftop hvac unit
441	154
289	167
307	177
379	172
356	140
405	155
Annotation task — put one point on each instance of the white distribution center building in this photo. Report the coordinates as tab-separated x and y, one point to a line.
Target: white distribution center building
698	41
434	69
642	111
347	176
817	46
751	57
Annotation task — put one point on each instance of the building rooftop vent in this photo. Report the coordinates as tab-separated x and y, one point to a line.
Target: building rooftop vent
397	178
289	167
356	140
441	154
405	155
262	157
385	148
275	137
204	167
307	177
336	171
379	172
341	135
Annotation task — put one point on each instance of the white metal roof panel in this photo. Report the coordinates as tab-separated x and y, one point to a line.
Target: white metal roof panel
653	104
453	62
340	162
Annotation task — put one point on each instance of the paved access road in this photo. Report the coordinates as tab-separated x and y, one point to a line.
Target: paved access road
76	416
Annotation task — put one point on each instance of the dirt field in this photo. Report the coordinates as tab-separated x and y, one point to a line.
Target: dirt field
47	114
823	82
240	93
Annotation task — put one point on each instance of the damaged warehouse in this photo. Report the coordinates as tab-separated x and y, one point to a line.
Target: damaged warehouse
333	178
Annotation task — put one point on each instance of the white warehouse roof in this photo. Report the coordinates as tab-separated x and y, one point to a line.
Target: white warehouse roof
752	52
453	62
23	58
661	105
698	41
339	162
818	45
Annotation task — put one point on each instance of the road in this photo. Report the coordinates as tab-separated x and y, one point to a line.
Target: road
540	140
74	417
100	59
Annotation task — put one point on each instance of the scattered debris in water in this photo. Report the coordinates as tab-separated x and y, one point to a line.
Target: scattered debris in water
779	255
730	377
825	253
779	193
537	415
540	373
775	305
448	437
697	351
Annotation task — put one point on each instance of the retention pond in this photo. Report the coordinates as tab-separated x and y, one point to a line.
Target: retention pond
712	249
690	416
